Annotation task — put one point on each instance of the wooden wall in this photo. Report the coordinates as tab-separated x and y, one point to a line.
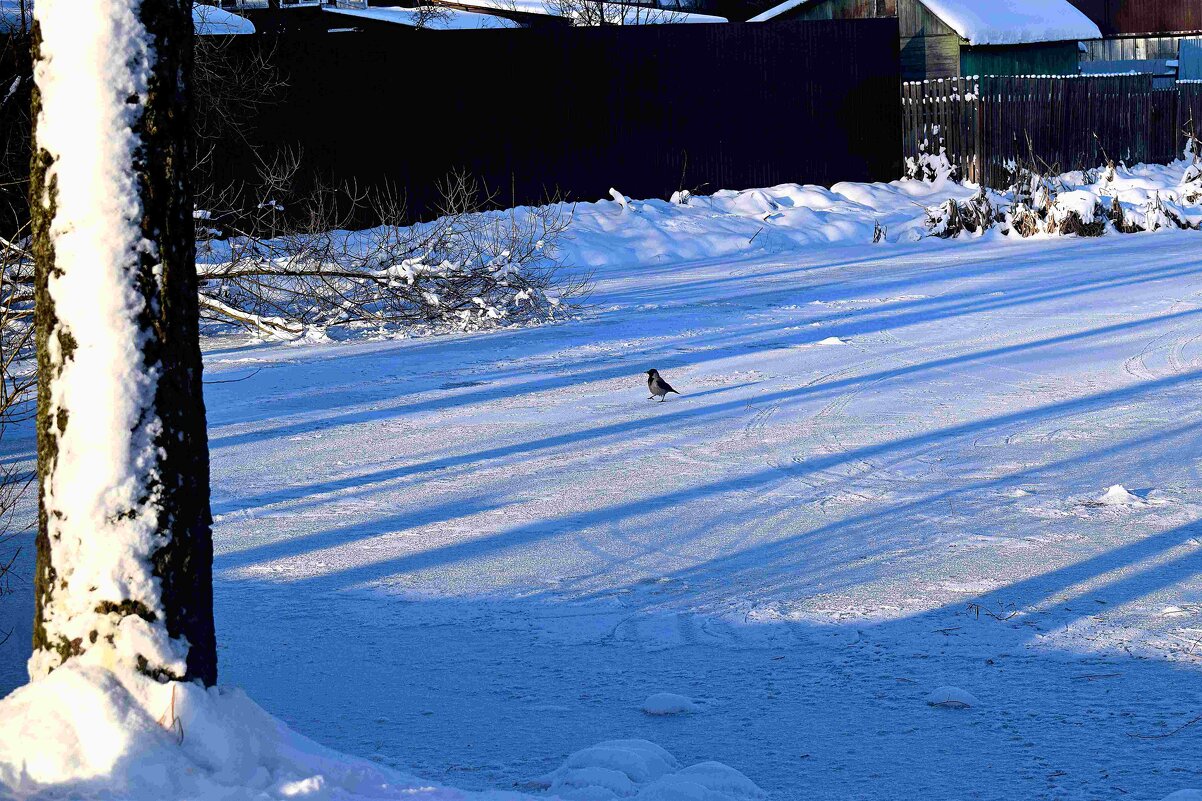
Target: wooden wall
1063	123
929	48
1131	17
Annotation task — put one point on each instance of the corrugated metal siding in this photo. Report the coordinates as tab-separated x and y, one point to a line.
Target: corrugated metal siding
1190	68
850	9
1133	48
1050	58
824	98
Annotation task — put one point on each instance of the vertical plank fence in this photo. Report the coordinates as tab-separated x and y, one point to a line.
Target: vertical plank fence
987	124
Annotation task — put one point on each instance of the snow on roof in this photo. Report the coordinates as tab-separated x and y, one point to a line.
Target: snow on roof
213	21
1002	22
642	15
995	22
776	11
517	6
208	20
445	19
631	14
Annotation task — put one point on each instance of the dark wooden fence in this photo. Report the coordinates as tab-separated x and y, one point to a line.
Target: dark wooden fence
647	110
1066	123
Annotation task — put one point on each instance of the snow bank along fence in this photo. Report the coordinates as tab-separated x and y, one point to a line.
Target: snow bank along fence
646	109
986	124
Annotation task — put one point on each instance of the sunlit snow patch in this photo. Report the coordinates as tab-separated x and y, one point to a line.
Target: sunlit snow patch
84	732
638	768
952	698
832	341
668	704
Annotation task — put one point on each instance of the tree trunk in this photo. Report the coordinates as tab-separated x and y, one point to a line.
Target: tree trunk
124	547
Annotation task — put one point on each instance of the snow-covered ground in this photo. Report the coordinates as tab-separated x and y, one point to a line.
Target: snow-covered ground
923	523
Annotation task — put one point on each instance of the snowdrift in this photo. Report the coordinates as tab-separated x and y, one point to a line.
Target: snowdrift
687	227
85	732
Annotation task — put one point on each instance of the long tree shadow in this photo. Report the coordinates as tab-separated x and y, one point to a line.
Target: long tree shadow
681	414
843	324
297	544
780	557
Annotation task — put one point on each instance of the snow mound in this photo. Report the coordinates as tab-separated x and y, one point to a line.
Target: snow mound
641	770
833	341
669	704
952	698
1118	495
84	732
1080	201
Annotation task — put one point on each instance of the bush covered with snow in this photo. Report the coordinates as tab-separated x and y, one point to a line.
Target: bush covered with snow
283	268
931	163
1077	204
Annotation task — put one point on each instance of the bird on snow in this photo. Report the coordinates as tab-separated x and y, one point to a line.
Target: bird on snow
658	386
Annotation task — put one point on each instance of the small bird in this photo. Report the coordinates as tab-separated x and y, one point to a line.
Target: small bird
658	386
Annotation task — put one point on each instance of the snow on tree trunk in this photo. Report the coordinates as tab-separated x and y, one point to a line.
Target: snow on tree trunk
124	549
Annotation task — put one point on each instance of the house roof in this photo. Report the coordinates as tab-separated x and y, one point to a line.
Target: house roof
630	14
208	20
995	22
447	19
213	21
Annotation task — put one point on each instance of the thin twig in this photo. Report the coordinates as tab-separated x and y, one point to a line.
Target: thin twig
235	380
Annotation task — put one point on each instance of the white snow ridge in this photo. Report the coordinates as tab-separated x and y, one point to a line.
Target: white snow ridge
641	770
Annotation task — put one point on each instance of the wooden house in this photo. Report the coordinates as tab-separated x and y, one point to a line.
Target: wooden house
950	38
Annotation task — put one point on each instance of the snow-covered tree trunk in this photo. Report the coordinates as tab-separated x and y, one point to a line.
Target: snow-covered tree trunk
124	549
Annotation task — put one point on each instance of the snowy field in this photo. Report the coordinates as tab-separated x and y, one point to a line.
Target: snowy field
889	474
